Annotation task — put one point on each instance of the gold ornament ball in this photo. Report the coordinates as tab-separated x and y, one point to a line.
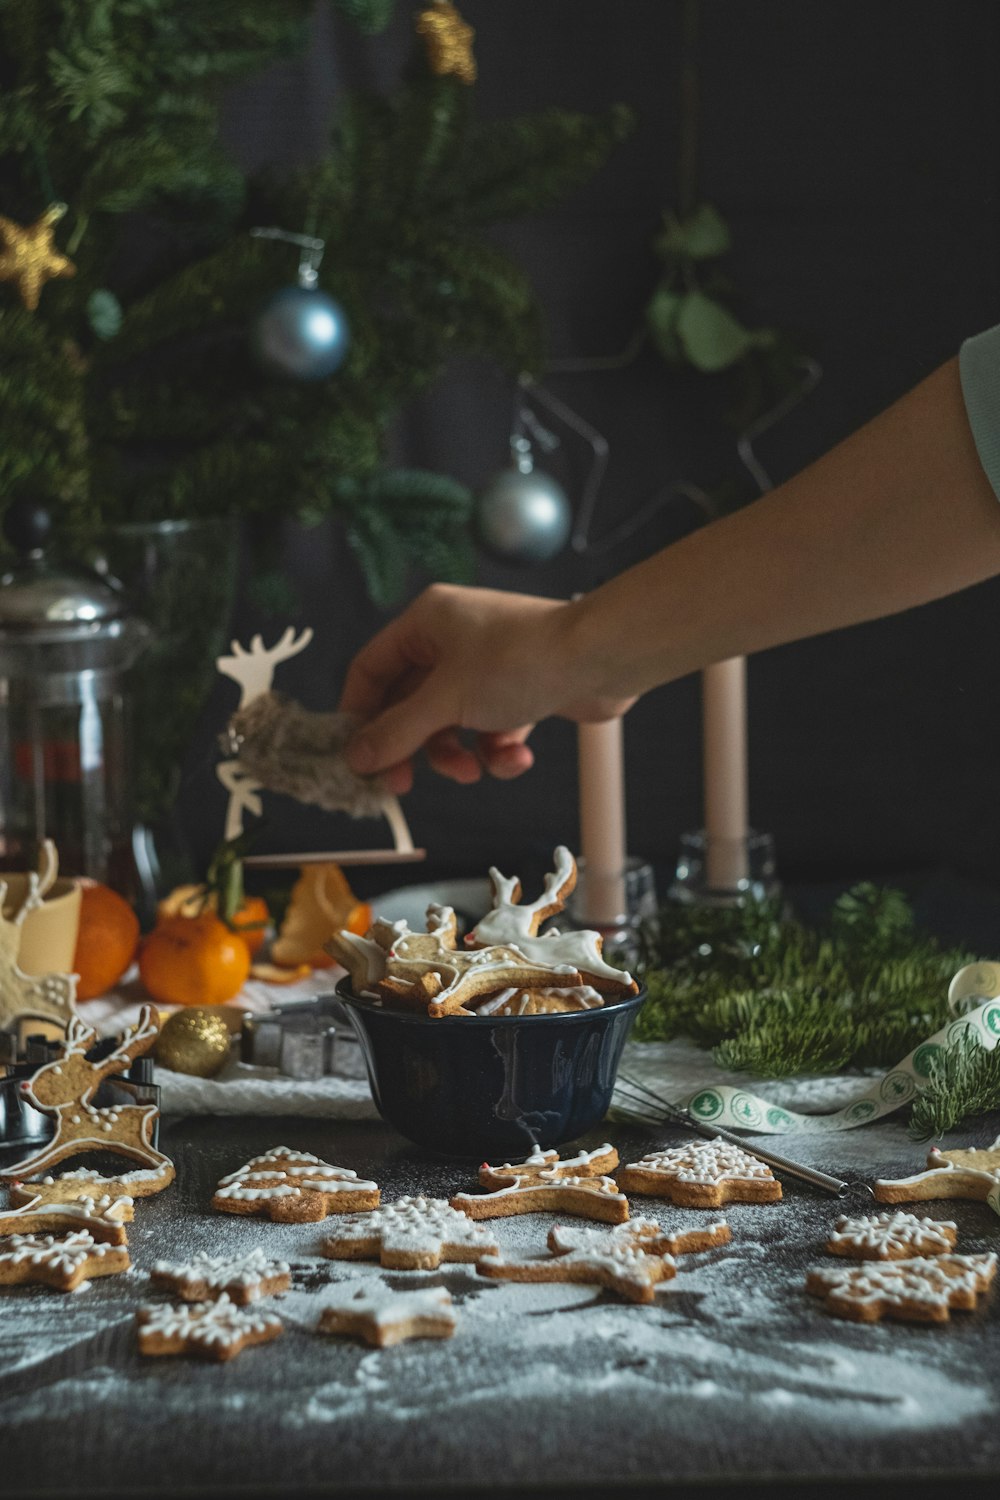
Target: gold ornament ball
194	1041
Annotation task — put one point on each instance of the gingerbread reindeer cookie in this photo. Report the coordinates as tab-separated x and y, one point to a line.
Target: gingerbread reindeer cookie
631	1259
950	1174
64	1089
104	1219
44	997
424	970
293	1187
515	924
702	1174
544	1184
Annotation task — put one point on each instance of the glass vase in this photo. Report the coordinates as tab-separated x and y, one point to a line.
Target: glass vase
180	576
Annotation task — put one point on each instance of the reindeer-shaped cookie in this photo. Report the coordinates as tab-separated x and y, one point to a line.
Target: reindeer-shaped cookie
64	1089
516	925
46	997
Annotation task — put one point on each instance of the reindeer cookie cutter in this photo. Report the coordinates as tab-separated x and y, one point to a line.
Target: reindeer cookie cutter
64	1089
274	744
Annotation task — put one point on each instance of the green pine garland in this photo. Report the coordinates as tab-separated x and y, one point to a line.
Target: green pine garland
964	1081
129	394
773	996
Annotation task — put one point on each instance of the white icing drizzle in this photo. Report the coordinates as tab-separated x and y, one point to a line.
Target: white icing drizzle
880	1236
547	1164
547	1183
204	1323
513	924
415	1224
583	996
919	1283
84	1174
106	1212
283	1173
67	1253
707	1162
220	1271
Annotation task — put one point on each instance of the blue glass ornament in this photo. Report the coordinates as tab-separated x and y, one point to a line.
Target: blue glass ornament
301	334
523	516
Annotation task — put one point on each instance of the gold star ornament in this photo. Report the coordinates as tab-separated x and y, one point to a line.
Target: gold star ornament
28	257
448	39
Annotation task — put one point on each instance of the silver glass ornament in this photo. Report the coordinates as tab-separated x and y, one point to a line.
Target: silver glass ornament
301	333
523	515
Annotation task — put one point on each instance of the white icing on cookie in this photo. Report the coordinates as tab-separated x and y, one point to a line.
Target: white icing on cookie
385	1307
204	1323
624	1254
65	1253
584	996
220	1271
283	1173
422	1226
899	1284
883	1236
707	1162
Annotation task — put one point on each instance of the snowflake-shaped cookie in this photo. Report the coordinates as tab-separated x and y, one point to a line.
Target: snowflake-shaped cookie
64	1263
293	1187
213	1330
242	1278
383	1317
104	1218
702	1174
630	1259
895	1236
413	1234
917	1291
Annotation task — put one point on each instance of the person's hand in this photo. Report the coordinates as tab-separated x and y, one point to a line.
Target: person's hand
460	659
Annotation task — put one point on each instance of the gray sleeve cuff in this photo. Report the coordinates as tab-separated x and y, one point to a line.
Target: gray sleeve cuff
979	366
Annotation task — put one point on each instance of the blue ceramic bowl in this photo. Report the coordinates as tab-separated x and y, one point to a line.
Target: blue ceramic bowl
491	1086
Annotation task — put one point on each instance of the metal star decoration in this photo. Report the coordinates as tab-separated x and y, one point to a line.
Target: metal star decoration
29	258
448	39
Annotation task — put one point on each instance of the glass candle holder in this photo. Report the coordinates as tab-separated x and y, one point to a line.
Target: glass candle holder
615	904
724	872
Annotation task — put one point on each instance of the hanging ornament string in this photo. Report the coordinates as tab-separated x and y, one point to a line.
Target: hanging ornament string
301	333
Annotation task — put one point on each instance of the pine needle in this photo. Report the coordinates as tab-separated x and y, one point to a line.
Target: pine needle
963	1081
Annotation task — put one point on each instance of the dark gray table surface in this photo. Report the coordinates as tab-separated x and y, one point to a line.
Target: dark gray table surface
733	1378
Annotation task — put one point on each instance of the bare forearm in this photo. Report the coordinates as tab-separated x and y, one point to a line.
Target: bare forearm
897	515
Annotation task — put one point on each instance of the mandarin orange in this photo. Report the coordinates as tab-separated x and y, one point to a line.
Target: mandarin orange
106	941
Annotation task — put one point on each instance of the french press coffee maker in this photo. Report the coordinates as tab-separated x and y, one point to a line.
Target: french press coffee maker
67	639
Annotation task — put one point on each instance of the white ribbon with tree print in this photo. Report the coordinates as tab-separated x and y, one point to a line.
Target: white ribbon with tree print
739	1109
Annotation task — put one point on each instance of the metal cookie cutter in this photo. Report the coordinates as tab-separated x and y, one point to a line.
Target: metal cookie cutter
302	1039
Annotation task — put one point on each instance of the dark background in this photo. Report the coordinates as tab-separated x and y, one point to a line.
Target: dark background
854	149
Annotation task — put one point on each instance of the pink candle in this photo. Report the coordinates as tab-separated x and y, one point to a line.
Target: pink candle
724	720
602	820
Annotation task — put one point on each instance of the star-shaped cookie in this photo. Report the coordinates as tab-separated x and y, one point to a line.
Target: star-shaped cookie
895	1236
212	1330
382	1317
